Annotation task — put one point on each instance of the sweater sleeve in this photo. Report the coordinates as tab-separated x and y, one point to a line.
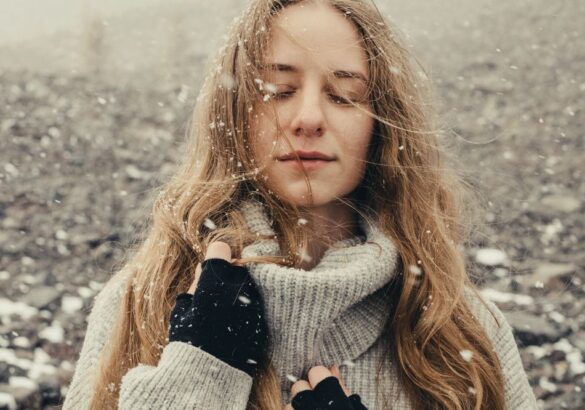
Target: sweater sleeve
185	377
518	393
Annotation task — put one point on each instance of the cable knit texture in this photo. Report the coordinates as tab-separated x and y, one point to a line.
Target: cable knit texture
332	314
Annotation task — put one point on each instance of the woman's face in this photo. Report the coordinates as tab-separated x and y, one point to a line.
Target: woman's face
310	107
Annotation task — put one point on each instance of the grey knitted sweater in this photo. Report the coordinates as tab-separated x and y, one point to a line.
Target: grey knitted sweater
332	314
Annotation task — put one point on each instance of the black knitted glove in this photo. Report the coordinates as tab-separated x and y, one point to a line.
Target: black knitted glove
225	316
327	395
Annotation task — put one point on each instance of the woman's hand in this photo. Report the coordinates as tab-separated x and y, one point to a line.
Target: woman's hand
324	390
222	313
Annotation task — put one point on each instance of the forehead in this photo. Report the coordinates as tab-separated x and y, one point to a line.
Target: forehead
316	36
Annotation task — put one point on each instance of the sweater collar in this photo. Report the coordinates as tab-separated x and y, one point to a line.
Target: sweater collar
330	314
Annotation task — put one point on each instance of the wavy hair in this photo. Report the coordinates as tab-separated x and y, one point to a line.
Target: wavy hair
415	199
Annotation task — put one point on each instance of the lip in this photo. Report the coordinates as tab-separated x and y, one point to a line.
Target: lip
308	164
306	155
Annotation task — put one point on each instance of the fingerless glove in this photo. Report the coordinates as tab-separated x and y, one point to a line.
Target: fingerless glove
327	395
225	316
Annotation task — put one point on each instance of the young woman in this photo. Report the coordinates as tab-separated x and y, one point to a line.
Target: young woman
313	161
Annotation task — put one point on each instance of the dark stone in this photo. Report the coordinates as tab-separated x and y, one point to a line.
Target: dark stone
50	392
530	329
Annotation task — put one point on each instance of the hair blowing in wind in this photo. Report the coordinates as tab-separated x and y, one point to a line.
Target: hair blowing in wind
417	201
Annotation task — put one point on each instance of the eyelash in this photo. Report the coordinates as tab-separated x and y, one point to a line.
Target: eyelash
287	94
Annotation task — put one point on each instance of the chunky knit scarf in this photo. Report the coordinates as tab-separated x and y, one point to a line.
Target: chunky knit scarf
330	314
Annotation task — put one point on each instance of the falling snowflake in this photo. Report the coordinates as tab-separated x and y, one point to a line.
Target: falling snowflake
244	299
209	224
227	80
466	355
305	256
395	70
270	87
415	270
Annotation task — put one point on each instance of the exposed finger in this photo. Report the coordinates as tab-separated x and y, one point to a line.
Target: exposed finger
299	386
333	369
318	373
219	249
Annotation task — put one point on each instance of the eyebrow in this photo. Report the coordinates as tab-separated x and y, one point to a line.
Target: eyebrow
337	73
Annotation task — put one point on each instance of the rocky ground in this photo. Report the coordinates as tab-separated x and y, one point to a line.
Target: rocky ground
80	159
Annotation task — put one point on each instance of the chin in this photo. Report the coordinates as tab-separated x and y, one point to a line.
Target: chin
296	192
304	199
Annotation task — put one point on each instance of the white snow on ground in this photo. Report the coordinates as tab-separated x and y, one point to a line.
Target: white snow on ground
8	307
497	296
491	257
7	401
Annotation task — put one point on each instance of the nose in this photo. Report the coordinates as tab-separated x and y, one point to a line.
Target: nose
309	119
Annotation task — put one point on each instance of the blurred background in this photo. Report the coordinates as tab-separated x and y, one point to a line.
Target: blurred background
94	100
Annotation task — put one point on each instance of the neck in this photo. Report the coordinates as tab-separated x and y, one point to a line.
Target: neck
334	221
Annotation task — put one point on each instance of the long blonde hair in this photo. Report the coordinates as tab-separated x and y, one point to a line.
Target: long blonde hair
416	199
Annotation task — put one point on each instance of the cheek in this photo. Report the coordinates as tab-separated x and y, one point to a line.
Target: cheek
261	136
355	147
358	138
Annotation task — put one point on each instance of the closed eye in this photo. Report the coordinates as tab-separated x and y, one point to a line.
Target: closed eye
282	95
339	100
335	98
